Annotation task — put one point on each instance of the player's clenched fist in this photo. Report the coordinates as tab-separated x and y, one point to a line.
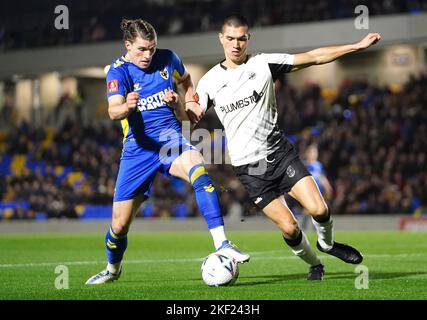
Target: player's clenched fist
171	98
369	40
132	100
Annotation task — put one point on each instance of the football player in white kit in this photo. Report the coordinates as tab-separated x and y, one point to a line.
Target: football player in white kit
241	90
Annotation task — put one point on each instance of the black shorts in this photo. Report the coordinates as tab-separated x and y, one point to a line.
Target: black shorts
268	178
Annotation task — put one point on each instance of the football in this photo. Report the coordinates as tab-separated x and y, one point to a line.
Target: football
219	269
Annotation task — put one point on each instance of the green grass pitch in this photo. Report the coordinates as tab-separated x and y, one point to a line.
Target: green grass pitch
166	265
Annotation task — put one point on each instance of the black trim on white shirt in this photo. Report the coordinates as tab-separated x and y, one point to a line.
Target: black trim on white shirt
277	69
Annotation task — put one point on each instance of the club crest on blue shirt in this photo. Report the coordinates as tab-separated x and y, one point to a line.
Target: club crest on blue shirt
165	74
137	86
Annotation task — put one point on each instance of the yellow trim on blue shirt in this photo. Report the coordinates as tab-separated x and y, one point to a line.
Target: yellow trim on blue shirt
125	127
176	75
117	94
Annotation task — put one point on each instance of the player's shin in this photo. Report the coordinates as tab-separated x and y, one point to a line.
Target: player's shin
115	246
324	228
208	203
301	248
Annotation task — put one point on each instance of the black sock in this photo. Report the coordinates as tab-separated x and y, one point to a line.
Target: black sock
323	219
294	242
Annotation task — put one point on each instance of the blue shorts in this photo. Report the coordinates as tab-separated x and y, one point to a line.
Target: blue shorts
139	166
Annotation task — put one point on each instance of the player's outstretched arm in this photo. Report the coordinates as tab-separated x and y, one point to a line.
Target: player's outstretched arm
329	54
119	107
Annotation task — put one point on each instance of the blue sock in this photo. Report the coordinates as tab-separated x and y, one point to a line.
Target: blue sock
206	196
115	245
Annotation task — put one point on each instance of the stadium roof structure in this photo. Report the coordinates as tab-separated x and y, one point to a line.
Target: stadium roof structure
203	48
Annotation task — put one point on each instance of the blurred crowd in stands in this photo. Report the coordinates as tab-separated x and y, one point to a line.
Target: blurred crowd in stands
73	166
99	20
372	143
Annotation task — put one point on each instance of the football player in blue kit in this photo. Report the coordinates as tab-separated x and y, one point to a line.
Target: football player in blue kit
140	91
317	171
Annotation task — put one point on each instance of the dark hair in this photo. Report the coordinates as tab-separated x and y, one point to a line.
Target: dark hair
137	28
235	20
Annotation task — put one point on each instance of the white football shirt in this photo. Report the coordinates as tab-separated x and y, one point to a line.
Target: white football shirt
245	101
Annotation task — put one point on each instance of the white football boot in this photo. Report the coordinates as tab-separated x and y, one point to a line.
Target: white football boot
104	277
229	248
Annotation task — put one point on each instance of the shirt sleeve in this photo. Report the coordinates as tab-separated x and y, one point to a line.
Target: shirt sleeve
203	97
279	63
115	83
178	68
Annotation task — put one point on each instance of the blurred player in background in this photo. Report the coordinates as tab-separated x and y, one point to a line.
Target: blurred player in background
315	168
140	91
241	89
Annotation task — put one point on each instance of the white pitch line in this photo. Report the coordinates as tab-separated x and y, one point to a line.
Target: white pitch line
50	264
142	261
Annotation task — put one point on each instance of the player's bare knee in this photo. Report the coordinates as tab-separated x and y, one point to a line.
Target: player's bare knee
289	228
119	227
319	211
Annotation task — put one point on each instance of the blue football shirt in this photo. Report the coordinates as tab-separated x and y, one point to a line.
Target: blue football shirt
316	169
152	117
